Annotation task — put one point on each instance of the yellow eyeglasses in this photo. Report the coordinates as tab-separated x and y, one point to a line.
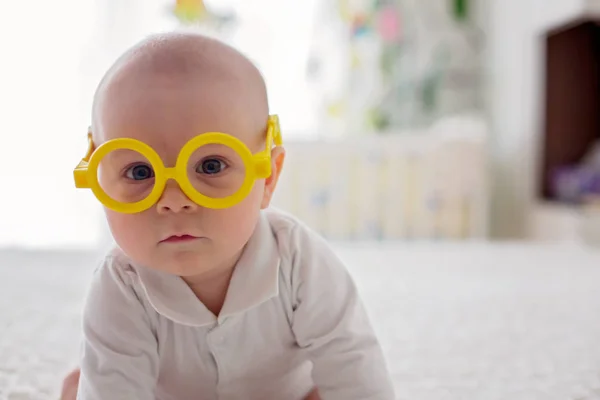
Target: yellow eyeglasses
214	169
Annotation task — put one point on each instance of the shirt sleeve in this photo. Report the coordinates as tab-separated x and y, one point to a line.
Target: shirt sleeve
331	323
119	351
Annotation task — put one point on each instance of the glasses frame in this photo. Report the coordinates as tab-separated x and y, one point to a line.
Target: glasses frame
258	166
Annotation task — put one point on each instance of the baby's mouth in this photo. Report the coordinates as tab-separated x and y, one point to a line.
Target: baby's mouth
179	239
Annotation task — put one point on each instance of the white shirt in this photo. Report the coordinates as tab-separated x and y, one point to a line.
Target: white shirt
292	320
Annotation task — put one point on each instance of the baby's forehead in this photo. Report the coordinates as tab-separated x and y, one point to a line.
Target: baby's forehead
175	87
168	113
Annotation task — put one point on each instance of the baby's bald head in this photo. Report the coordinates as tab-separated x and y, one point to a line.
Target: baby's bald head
174	86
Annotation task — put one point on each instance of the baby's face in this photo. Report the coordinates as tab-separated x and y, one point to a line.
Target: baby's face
166	114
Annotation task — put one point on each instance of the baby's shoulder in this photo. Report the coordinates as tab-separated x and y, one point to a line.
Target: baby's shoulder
290	233
306	260
281	222
116	267
295	240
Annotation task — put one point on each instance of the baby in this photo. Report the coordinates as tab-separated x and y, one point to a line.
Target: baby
209	295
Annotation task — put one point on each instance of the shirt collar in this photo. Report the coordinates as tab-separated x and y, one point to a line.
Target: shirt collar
254	281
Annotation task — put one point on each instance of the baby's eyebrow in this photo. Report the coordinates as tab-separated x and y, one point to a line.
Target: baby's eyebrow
123	155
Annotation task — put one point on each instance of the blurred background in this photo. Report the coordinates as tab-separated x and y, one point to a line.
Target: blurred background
463	110
458	133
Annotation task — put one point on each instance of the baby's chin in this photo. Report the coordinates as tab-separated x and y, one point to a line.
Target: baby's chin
191	262
188	261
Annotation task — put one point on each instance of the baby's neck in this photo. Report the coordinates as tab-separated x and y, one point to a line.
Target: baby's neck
211	288
213	291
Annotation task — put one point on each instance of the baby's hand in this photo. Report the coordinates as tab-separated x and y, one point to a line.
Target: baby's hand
314	395
70	386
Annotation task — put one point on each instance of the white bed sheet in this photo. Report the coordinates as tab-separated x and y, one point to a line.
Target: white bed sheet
457	321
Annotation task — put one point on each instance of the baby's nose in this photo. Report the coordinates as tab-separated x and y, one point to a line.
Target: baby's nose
174	200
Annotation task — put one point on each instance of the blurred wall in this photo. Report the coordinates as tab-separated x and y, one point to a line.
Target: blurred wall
514	94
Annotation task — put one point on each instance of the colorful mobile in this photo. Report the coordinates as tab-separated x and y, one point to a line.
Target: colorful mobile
195	12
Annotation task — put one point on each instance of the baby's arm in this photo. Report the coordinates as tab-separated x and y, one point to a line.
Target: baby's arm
120	357
330	322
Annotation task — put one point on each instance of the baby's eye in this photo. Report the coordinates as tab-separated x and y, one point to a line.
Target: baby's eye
139	172
211	166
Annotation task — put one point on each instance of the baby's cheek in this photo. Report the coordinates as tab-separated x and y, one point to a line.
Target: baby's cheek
233	226
131	233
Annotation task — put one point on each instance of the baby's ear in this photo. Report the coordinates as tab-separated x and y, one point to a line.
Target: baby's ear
277	159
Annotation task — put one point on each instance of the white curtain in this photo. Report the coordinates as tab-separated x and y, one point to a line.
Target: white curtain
43	123
54	54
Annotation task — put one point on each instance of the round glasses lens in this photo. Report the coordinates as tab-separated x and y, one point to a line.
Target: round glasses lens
126	176
216	170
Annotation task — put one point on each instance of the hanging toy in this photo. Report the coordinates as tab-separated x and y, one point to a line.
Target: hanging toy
360	25
190	12
344	10
388	24
461	9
